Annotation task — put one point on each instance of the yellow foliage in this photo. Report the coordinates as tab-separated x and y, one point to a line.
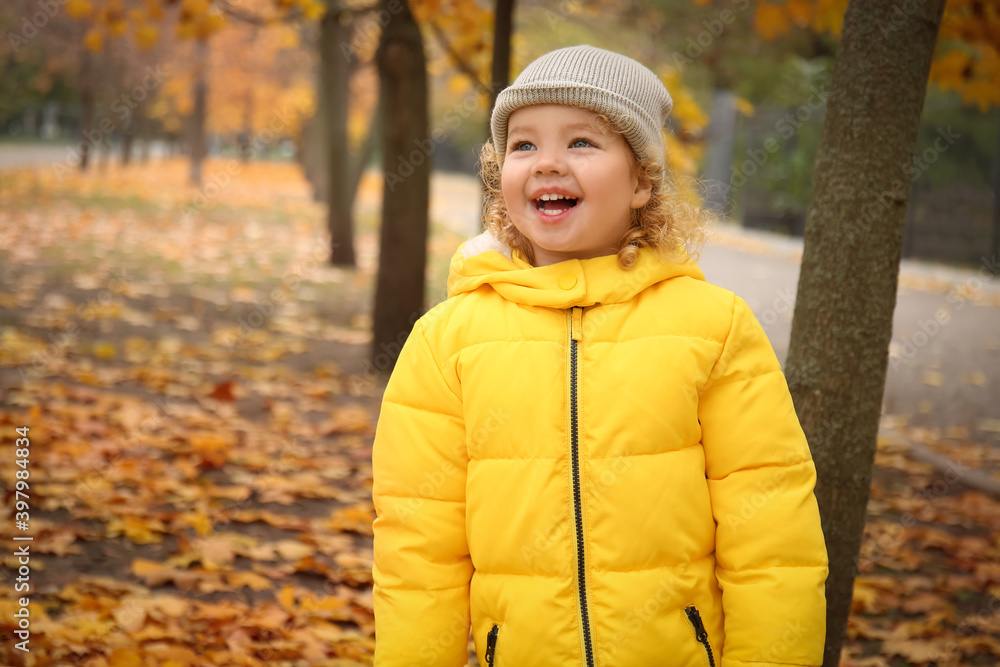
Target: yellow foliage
104	350
194	8
312	10
93	41
770	20
968	63
459	85
185	30
146	36
948	71
124	657
828	16
799	11
744	107
685	109
154	9
79	8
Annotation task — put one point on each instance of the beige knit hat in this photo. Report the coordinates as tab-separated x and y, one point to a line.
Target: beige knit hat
609	83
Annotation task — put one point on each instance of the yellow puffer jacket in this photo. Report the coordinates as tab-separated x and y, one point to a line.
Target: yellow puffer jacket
595	467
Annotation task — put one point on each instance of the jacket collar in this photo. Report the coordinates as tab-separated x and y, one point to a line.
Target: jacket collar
484	260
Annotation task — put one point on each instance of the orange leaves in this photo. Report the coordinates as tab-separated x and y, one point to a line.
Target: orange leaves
125	657
251	580
928	559
971	30
93	40
916	651
184	439
357	519
140	530
79	8
770	20
211	448
968	58
973	71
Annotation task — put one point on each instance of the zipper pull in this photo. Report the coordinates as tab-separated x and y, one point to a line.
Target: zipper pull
576	326
491	645
695	618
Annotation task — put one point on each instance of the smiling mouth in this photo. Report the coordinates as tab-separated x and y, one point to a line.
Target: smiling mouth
554	204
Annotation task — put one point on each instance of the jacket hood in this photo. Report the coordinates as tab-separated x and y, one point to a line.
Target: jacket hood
485	260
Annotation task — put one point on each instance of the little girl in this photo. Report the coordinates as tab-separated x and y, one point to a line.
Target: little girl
587	452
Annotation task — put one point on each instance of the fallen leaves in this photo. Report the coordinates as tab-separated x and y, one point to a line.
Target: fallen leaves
168	429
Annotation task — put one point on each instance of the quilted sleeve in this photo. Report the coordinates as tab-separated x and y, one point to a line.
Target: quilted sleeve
771	560
422	567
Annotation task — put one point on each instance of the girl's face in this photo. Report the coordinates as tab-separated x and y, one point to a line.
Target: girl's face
569	183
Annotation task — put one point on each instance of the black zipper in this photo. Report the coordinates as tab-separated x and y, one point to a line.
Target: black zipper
577	502
699	631
491	645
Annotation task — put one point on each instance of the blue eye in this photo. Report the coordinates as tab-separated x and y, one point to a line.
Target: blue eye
521	144
581	141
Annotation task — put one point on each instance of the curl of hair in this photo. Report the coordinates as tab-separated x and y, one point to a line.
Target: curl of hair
673	223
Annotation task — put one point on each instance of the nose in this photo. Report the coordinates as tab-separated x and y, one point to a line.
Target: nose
550	161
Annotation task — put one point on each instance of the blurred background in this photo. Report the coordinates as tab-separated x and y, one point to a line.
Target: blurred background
196	326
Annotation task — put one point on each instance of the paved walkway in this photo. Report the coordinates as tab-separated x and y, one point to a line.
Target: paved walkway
15	154
944	376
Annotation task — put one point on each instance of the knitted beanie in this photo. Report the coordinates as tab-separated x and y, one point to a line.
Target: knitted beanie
622	89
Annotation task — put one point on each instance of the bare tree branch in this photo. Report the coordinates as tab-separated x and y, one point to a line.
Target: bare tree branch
462	65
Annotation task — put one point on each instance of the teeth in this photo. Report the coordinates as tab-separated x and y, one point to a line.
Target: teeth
553	212
552	197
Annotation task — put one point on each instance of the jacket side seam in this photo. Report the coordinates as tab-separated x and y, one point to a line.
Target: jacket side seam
501	342
763	466
713	385
520	458
520	574
443	500
659	335
725	343
423	409
772	567
669	451
420	330
422	590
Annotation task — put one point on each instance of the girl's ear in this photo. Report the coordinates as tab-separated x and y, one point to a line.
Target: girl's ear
643	191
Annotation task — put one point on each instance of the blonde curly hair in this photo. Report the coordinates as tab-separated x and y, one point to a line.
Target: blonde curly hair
674	223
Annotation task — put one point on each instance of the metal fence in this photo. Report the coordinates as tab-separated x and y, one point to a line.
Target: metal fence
953	214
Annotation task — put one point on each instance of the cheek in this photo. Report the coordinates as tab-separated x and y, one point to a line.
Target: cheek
509	186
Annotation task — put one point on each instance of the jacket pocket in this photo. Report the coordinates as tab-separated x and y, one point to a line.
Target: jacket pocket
699	631
491	645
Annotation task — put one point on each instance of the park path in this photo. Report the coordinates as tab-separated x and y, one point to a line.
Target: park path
944	370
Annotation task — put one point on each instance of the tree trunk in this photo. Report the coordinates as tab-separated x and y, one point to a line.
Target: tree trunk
500	74
312	152
128	132
245	139
87	108
143	131
399	293
995	246
334	89
838	354
199	147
